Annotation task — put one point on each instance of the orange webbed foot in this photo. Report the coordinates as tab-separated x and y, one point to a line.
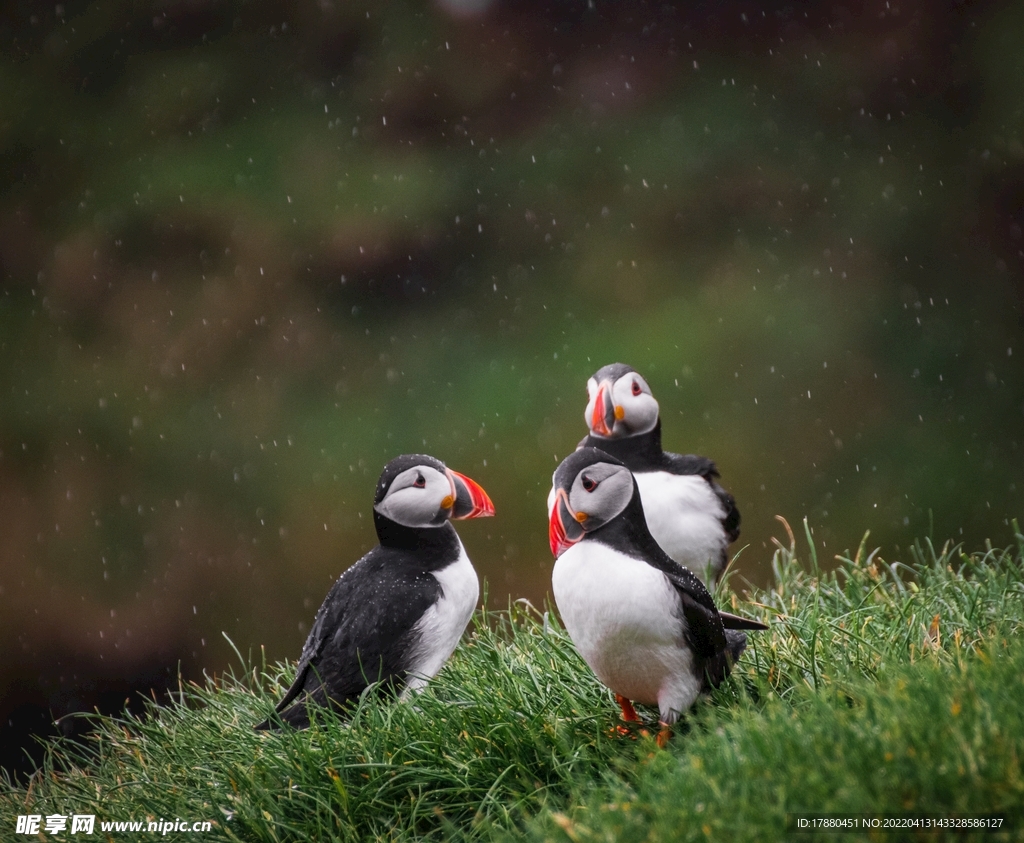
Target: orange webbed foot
663	734
628	712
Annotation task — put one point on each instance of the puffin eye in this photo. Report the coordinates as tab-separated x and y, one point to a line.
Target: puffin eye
636	388
419	482
588	483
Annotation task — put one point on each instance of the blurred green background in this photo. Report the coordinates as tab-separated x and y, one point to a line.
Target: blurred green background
251	251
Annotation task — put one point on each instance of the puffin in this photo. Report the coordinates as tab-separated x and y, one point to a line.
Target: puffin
646	625
690	515
397	614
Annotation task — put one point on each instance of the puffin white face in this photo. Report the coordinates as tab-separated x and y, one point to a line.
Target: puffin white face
420	496
598	494
623	407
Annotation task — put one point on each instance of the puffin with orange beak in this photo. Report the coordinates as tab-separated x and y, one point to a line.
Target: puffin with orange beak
647	627
395	616
692	517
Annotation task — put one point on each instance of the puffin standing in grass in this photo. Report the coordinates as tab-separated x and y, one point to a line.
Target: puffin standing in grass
690	515
397	614
646	625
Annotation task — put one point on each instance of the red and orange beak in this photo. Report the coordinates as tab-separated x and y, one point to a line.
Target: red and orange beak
602	420
564	526
469	500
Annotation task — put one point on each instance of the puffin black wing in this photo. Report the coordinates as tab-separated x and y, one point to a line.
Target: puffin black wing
328	617
713	635
350	645
715	647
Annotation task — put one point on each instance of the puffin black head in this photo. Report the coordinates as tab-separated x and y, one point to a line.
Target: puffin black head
416	490
619	403
592	488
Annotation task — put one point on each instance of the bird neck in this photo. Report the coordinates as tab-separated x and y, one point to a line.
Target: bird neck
639	452
438	544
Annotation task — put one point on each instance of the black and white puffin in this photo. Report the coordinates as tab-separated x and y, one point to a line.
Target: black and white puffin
690	515
397	614
646	625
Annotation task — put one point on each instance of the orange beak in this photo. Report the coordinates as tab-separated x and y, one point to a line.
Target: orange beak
471	501
564	528
602	420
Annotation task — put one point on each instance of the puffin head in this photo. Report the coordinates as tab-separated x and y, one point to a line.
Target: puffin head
591	489
619	403
416	490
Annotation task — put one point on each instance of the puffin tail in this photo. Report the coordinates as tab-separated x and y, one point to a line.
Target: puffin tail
736	622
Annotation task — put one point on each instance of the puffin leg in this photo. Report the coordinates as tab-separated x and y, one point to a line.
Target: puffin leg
628	712
664	733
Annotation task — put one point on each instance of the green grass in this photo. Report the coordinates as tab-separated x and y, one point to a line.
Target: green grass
881	687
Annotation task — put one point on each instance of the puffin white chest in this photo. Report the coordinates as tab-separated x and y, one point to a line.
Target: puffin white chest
685	517
438	631
625	618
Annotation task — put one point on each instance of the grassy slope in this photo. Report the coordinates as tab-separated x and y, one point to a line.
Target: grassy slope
880	687
892	695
